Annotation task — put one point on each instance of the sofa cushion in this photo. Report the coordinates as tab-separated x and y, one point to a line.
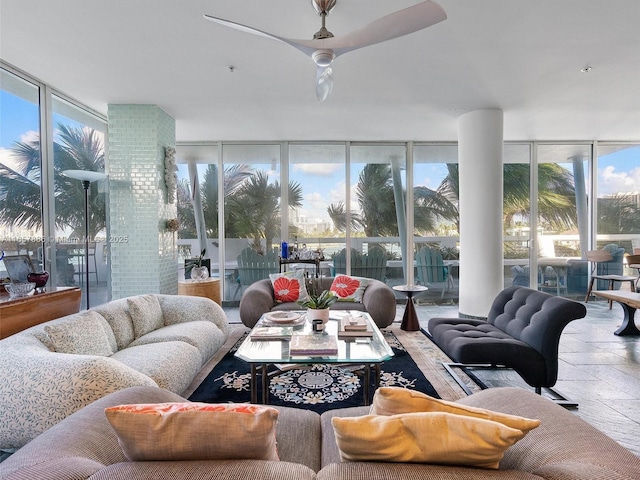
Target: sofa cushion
82	334
396	400
146	314
202	334
117	315
289	287
349	289
426	437
172	365
195	431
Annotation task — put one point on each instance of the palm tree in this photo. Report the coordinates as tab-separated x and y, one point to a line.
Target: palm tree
251	205
254	210
75	149
618	214
375	196
556	194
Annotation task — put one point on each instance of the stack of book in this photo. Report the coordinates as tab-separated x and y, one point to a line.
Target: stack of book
354	327
270	333
314	344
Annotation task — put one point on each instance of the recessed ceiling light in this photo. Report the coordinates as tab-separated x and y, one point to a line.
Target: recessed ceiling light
586	69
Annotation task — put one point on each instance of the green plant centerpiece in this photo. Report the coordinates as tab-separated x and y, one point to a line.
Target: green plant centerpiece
194	266
318	305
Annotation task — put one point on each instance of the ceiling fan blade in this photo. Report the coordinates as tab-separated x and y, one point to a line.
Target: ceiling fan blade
394	25
305	46
324	83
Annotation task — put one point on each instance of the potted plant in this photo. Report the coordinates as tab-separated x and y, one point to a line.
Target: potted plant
318	305
194	268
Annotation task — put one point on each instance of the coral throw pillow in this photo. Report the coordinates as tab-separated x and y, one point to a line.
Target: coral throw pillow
195	431
349	289
289	287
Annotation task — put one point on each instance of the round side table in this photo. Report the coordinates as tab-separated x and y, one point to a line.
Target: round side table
410	320
209	288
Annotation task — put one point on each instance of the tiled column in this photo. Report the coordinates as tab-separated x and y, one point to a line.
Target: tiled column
141	249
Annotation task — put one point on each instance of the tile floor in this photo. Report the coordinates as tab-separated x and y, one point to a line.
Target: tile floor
599	370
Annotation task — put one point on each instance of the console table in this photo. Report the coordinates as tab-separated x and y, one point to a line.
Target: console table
20	313
309	261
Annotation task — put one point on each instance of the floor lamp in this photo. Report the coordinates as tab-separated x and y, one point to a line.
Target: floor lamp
86	177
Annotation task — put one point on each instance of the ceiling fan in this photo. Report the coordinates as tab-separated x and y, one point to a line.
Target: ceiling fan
325	48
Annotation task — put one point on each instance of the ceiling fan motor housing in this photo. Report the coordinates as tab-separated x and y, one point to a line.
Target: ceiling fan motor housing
323	57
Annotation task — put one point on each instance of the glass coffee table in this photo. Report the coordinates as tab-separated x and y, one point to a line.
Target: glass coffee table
269	358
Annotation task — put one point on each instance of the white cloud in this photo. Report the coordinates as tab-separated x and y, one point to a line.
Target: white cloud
30	136
612	182
315	202
7	158
322	169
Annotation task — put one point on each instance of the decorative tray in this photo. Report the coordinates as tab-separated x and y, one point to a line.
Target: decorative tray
284	318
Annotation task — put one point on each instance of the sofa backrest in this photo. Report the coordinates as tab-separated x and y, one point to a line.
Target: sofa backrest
536	318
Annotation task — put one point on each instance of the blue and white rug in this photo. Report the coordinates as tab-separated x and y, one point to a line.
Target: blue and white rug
317	387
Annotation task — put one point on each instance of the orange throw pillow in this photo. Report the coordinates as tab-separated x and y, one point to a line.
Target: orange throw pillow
195	431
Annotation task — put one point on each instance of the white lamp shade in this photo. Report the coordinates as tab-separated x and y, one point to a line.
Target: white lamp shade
84	175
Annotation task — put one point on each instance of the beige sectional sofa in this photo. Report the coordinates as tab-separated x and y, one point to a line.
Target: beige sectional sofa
563	447
53	369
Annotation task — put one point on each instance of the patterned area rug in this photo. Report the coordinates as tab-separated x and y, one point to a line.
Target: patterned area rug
416	365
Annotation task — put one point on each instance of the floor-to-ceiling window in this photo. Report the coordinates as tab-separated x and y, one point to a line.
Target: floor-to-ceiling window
253	211
562	217
43	134
343	194
197	204
21	228
517	207
78	140
318	222
617	213
377	205
436	219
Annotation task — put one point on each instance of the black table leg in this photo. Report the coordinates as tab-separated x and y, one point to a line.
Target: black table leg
628	326
410	320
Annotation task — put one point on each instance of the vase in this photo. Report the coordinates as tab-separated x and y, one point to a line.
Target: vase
322	314
199	273
40	279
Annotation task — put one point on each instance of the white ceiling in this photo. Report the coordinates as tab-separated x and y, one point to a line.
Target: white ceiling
522	56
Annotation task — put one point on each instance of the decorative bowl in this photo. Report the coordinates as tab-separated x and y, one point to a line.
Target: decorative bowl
19	290
39	278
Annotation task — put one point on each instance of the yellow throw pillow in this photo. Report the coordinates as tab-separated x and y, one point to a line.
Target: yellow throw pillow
195	431
395	400
440	438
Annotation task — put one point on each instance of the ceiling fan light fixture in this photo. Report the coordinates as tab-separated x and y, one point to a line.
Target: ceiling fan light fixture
323	57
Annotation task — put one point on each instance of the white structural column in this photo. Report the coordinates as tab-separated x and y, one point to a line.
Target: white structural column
480	139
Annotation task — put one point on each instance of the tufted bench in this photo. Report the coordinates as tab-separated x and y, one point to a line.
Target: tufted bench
522	332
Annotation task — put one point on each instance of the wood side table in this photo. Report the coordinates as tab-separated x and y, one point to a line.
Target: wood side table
410	320
209	288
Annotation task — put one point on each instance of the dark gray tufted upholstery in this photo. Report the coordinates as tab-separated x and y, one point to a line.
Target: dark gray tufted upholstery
522	331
